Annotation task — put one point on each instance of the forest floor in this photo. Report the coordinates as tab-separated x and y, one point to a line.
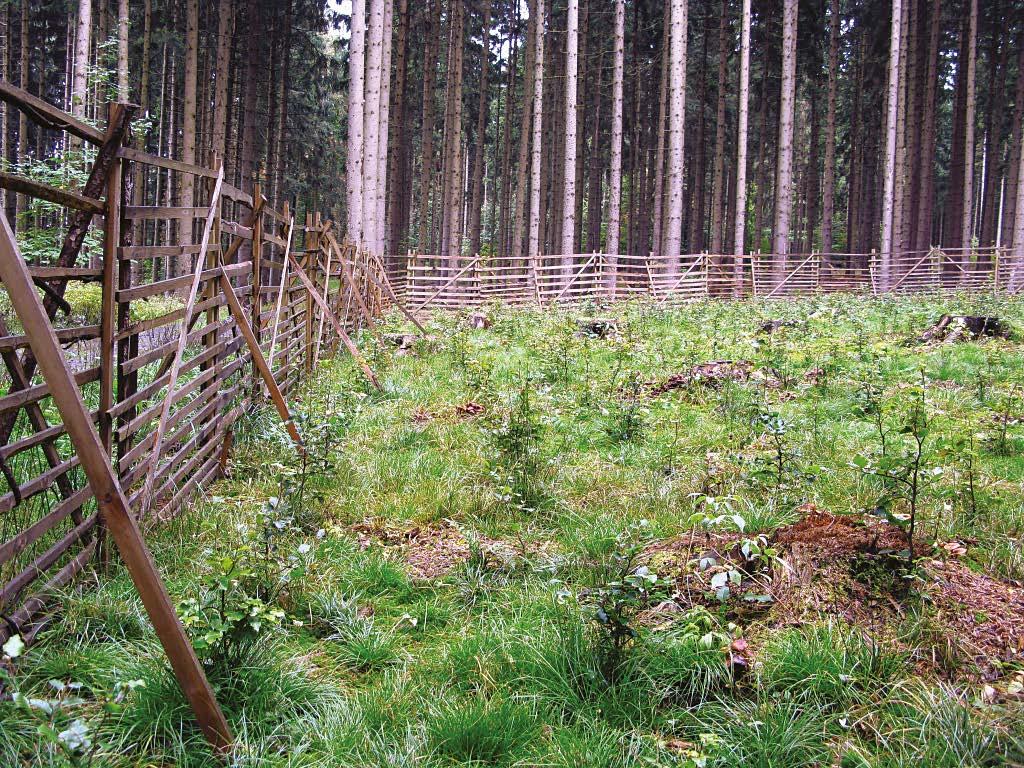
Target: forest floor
674	537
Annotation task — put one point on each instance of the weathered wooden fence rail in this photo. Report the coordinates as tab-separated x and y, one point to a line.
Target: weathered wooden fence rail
472	280
205	309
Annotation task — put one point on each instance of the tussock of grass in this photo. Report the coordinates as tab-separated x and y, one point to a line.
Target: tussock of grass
827	664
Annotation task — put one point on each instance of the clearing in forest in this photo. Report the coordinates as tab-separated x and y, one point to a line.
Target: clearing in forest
728	534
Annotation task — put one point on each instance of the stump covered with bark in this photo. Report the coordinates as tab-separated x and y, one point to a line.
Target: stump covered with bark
599	327
952	328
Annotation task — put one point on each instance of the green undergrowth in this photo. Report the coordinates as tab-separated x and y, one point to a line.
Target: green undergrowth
546	635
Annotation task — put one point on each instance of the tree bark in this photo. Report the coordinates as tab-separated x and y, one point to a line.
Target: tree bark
889	174
718	181
537	130
569	167
1013	176
396	157
451	234
524	158
123	89
659	153
432	35
615	173
967	226
83	30
739	246
225	32
476	206
356	104
383	134
829	180
677	116
371	121
993	170
784	171
188	124
926	201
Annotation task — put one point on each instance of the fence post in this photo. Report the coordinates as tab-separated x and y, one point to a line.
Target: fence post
109	316
111	241
257	267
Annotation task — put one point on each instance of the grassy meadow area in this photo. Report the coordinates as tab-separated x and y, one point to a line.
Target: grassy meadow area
725	534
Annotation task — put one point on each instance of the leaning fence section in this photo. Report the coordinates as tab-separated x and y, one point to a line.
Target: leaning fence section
195	302
467	281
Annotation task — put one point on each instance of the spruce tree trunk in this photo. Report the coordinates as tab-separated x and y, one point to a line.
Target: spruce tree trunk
994	113
677	116
784	169
926	163
718	182
188	124
889	174
123	89
476	205
356	103
451	234
432	34
383	135
83	30
739	246
396	158
612	245
829	180
1013	176
537	130
524	158
225	32
659	153
372	120
569	167
967	216
1018	222
698	164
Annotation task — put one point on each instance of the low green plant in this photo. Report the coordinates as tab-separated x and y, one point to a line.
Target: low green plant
617	598
69	717
902	464
240	591
517	466
481	732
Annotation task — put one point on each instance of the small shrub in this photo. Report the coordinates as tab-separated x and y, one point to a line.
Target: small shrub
516	462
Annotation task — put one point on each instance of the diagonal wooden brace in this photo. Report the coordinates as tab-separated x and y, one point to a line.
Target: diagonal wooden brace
238	312
345	338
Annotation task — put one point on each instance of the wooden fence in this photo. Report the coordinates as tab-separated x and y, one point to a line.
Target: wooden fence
436	281
204	310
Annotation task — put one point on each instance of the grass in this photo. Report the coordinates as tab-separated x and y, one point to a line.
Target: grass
502	658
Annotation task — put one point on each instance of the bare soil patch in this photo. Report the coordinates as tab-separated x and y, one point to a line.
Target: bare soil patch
712	374
845	567
467	410
433	551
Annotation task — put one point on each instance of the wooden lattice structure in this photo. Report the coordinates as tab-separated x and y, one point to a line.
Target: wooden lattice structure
466	281
108	425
